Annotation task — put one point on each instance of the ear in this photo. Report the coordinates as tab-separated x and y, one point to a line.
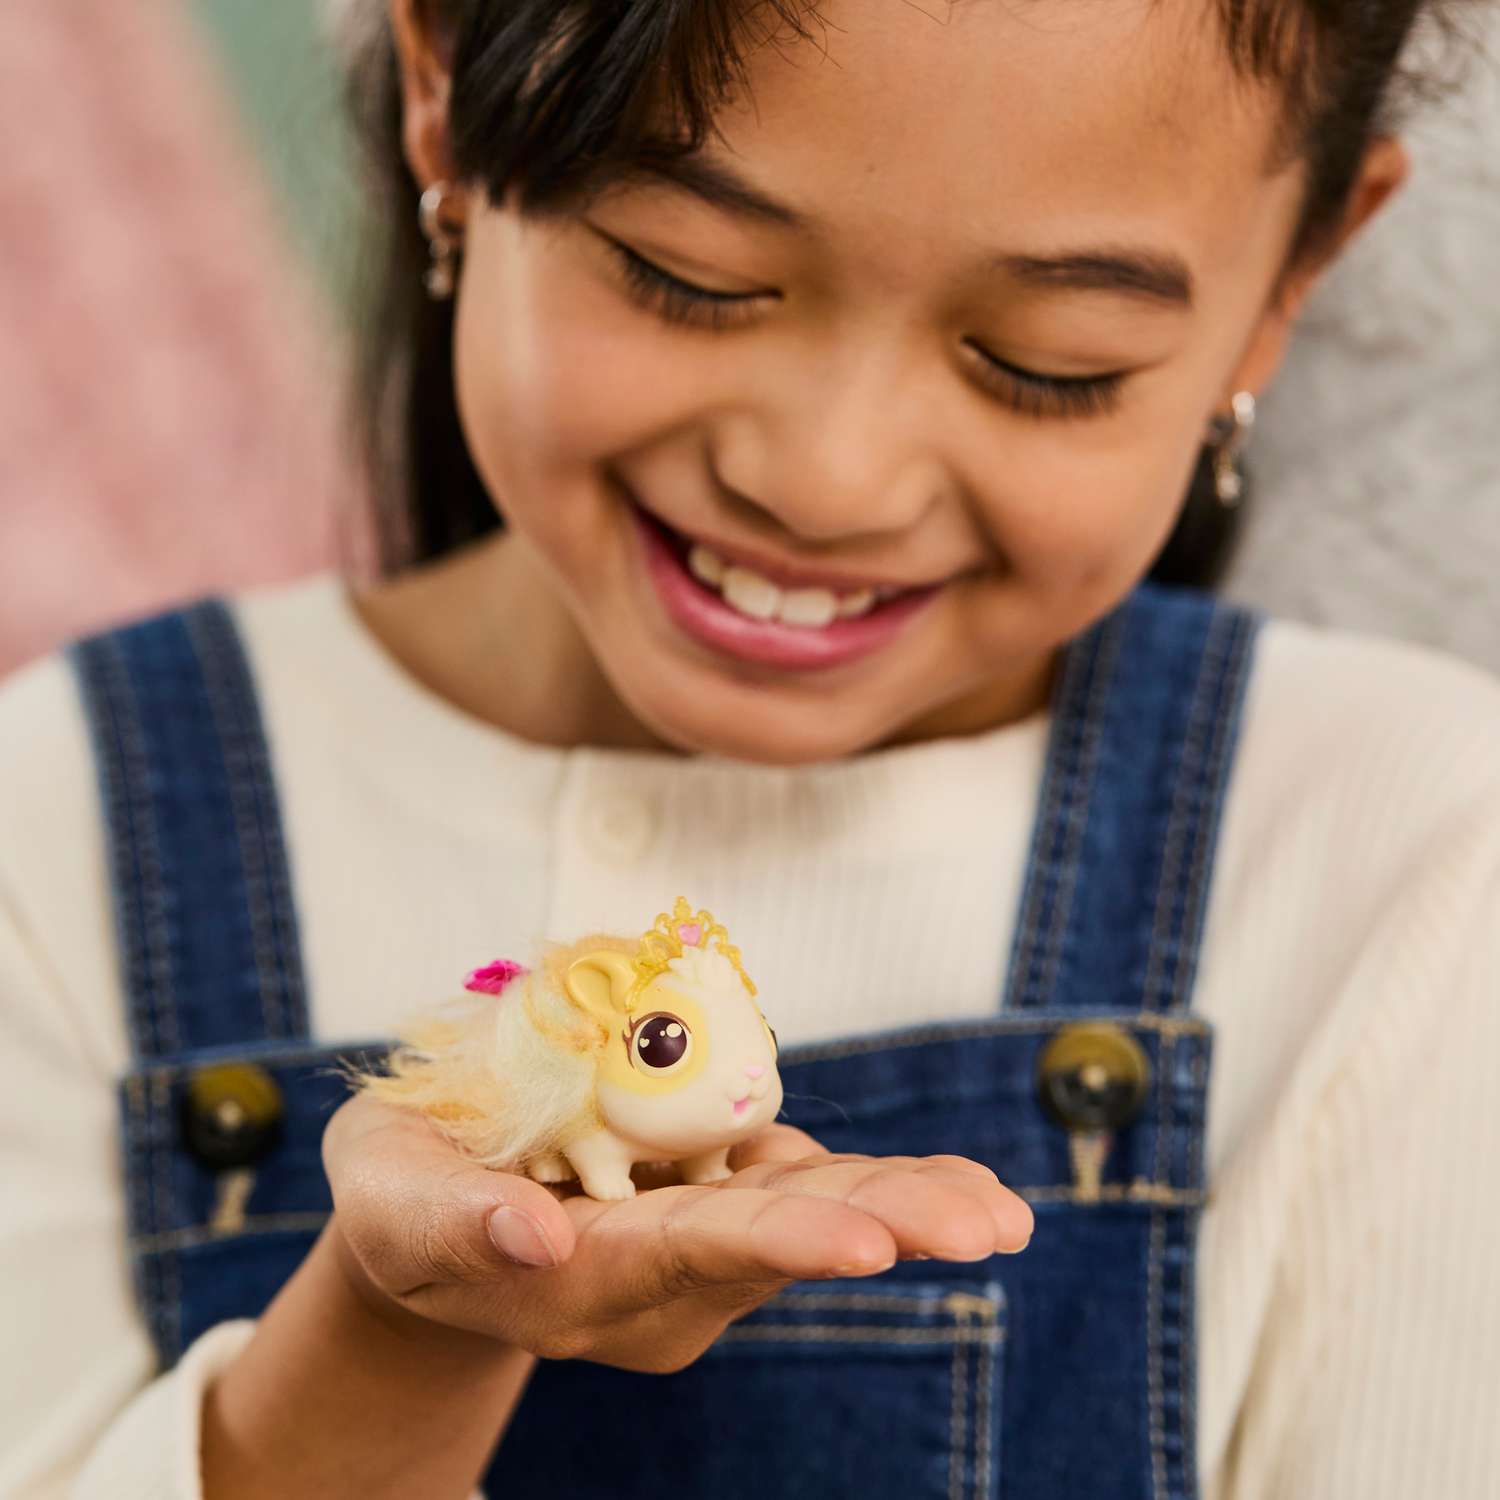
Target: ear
1385	168
599	983
424	55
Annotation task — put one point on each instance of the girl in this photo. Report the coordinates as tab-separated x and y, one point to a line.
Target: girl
839	375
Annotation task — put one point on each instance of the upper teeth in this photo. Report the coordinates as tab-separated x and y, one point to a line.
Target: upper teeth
755	595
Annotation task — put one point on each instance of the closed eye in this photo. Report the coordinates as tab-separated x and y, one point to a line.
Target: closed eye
1039	395
1029	392
676	300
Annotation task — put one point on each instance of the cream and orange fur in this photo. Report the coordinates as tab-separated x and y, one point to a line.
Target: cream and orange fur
548	1072
542	1099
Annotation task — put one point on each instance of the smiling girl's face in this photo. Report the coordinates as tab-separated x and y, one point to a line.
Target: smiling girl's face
834	437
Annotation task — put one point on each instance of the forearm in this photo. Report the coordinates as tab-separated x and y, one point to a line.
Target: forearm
330	1398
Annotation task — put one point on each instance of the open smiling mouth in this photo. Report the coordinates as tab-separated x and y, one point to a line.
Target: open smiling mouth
738	611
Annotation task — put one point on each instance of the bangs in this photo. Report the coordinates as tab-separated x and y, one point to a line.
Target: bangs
556	100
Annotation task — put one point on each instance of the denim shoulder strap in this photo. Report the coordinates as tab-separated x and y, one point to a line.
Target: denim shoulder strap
203	904
1146	715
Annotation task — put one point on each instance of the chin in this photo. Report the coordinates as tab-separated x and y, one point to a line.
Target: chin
759	731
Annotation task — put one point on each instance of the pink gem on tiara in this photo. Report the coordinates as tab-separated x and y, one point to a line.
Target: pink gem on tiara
493	978
691	933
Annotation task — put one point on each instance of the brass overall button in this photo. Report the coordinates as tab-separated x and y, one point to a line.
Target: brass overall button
232	1114
1093	1076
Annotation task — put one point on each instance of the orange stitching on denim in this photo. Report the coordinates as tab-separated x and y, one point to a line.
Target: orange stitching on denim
1237	646
1012	1022
958	1396
845	1333
858	1301
214	664
1154	1387
1156	1194
292	1053
224	669
1057	782
154	952
1181	821
986	1388
1081	790
161	1096
172	1240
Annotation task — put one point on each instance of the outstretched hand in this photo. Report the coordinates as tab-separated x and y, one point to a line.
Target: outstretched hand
647	1283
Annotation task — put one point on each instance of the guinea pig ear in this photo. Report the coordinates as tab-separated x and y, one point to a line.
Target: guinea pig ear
599	983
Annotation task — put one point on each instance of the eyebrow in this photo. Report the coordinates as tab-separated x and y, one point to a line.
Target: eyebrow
1152	275
719	186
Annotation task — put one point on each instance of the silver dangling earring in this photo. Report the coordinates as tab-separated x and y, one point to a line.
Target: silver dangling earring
444	239
1228	439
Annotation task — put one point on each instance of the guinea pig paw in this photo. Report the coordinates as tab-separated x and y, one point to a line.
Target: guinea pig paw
610	1189
552	1169
703	1169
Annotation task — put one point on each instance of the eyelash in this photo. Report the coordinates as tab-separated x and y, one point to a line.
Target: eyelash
1026	391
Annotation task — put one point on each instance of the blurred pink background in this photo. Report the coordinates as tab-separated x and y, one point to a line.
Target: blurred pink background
171	417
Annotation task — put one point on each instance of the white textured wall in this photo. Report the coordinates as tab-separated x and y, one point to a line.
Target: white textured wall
1377	457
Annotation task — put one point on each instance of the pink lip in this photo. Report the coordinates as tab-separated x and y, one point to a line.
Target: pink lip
741	1105
702	614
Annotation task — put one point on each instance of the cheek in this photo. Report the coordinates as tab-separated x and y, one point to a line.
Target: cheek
615	1067
551	367
1077	506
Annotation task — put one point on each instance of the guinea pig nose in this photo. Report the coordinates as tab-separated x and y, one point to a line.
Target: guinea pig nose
756	1071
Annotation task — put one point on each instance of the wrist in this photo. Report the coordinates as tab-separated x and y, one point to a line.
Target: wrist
342	1390
384	1320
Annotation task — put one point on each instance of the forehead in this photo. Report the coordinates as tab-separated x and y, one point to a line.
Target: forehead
937	128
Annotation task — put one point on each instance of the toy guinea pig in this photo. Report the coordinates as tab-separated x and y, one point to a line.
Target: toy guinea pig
613	1052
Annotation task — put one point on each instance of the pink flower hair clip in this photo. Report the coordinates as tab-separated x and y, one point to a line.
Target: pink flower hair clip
494	977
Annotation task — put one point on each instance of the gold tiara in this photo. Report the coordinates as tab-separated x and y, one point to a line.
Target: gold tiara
673	934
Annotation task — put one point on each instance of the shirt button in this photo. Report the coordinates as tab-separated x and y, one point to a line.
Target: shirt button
619	829
232	1114
1093	1076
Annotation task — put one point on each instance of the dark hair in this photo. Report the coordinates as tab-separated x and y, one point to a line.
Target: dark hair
552	97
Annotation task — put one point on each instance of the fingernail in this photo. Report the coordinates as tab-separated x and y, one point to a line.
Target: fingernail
520	1238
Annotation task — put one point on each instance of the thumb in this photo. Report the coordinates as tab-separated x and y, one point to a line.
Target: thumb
416	1211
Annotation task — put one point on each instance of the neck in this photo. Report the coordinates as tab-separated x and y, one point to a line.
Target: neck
455	626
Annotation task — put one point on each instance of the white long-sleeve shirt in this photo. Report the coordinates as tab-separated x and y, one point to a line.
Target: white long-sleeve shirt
1348	1282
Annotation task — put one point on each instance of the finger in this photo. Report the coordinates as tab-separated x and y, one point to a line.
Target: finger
931	1208
775	1143
1012	1214
962	1164
679	1240
416	1211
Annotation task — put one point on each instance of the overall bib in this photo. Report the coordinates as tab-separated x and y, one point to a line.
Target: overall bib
1064	1371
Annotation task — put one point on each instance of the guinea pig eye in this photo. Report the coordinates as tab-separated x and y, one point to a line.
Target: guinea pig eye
775	1045
659	1042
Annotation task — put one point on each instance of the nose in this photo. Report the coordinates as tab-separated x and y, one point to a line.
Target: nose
838	459
756	1071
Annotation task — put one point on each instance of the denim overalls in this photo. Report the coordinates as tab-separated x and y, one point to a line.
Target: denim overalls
1065	1371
